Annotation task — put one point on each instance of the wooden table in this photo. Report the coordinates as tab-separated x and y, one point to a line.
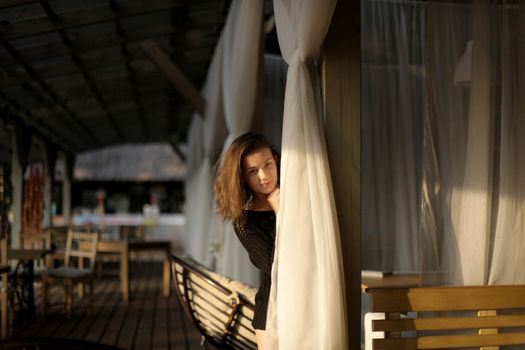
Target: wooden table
121	248
161	246
124	247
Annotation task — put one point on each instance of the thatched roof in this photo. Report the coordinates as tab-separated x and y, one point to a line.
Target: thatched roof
146	162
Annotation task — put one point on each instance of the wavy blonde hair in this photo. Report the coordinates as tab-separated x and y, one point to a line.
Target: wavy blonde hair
231	192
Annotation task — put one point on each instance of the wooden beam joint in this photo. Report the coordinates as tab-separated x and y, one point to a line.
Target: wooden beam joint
175	75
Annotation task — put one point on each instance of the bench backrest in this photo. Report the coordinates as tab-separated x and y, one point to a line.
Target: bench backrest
449	317
221	315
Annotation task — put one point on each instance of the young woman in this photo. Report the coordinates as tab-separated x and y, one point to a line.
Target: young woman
247	194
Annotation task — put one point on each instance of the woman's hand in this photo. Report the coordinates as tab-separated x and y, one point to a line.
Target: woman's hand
273	199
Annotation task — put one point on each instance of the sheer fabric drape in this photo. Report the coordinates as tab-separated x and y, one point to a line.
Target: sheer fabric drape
473	209
242	37
307	300
209	132
191	185
393	105
230	92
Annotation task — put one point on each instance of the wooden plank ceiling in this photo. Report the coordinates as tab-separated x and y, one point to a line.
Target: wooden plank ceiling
76	71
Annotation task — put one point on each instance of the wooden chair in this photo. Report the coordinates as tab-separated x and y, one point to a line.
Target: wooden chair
81	246
3	288
486	317
58	238
220	308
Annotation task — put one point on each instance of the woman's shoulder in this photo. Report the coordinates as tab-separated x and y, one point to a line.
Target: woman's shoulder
252	218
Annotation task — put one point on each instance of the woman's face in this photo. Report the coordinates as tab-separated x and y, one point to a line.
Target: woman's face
260	171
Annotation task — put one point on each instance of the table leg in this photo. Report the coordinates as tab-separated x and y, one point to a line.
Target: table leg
80	285
30	290
166	278
124	272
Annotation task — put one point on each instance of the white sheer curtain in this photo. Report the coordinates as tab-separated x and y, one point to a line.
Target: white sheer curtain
242	38
307	300
474	199
393	105
213	134
191	185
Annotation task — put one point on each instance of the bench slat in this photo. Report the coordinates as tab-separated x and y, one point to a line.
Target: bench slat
442	323
449	342
448	299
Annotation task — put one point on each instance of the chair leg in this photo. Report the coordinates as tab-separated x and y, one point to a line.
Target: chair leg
91	296
68	297
4	314
44	296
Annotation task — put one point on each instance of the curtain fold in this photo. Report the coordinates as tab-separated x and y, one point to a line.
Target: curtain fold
392	106
307	273
207	133
242	38
473	210
507	264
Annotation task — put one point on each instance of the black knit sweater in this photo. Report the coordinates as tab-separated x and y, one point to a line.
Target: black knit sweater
257	235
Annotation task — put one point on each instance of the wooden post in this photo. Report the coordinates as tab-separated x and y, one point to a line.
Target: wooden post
50	161
341	74
17	183
22	138
66	188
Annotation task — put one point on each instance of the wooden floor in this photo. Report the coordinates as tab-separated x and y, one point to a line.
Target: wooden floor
147	321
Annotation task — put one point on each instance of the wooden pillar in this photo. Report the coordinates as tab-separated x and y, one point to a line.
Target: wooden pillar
17	184
69	162
341	74
50	161
22	138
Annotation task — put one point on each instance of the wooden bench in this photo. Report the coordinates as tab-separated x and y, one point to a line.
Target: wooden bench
220	308
484	317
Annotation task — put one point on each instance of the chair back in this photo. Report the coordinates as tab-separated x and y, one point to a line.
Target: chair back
39	242
81	245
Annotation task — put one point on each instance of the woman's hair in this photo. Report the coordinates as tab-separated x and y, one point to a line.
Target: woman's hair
231	192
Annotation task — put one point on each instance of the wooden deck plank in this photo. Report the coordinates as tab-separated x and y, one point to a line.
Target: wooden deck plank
127	331
80	313
182	332
147	321
100	306
107	313
114	327
145	327
56	323
31	329
162	329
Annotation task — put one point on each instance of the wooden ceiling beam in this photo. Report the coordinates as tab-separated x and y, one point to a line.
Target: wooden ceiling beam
85	17
132	79
96	67
78	62
188	38
79	128
174	75
41	125
13	3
